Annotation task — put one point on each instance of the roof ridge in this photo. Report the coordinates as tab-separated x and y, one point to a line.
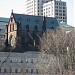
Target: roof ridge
31	15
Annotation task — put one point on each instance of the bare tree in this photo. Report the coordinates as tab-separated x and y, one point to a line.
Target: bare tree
60	46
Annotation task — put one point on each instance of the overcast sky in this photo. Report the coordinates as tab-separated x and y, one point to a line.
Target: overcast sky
18	6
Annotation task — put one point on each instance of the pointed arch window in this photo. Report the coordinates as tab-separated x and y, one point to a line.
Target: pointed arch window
52	28
11	27
27	28
36	28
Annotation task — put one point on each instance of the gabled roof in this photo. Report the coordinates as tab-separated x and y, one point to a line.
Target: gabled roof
34	20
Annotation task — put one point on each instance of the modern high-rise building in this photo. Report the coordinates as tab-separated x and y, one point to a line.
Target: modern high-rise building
49	8
34	7
55	9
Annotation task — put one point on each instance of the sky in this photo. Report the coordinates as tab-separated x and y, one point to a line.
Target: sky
18	6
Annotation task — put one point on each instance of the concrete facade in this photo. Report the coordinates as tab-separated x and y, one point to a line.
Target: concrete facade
19	63
28	63
34	7
57	9
48	8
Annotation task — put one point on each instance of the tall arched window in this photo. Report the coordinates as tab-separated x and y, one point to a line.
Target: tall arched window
13	26
52	28
35	28
10	27
27	28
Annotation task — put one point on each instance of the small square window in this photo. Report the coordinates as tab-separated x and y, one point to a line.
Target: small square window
16	71
31	60
10	70
26	70
10	60
31	70
36	70
5	70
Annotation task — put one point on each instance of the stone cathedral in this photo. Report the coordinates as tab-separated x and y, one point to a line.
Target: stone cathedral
25	31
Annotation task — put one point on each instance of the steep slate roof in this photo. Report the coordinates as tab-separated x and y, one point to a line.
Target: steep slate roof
35	20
